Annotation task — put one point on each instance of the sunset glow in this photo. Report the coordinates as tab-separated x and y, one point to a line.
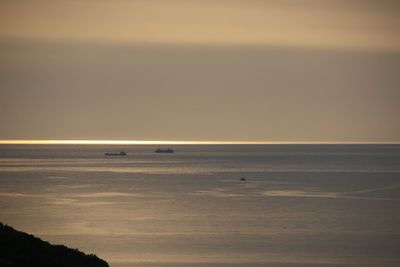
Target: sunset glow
188	133
165	142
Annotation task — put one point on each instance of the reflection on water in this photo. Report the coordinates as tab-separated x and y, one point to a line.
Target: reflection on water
301	205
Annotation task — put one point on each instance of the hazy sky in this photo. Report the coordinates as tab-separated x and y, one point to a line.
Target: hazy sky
244	70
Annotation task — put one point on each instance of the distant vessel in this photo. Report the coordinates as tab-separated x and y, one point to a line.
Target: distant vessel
159	150
122	153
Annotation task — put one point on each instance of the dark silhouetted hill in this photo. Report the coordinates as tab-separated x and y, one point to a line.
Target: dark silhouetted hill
19	249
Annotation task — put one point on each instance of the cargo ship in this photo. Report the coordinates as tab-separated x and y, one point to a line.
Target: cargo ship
122	153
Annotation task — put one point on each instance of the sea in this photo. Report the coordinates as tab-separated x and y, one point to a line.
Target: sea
209	205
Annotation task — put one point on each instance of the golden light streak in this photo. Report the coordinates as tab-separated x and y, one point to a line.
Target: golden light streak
159	142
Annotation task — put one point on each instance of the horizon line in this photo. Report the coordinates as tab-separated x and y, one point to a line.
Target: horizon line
148	43
170	142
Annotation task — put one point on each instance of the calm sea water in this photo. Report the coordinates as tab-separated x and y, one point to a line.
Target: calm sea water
301	205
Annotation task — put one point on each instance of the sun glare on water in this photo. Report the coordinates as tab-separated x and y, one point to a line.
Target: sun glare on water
160	142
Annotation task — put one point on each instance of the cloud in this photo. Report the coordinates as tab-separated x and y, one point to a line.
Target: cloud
366	25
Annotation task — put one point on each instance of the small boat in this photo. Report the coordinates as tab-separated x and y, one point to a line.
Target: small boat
122	153
159	150
243	179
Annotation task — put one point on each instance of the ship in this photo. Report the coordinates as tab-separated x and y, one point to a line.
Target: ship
168	150
122	153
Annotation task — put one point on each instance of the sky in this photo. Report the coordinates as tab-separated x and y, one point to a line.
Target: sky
226	70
